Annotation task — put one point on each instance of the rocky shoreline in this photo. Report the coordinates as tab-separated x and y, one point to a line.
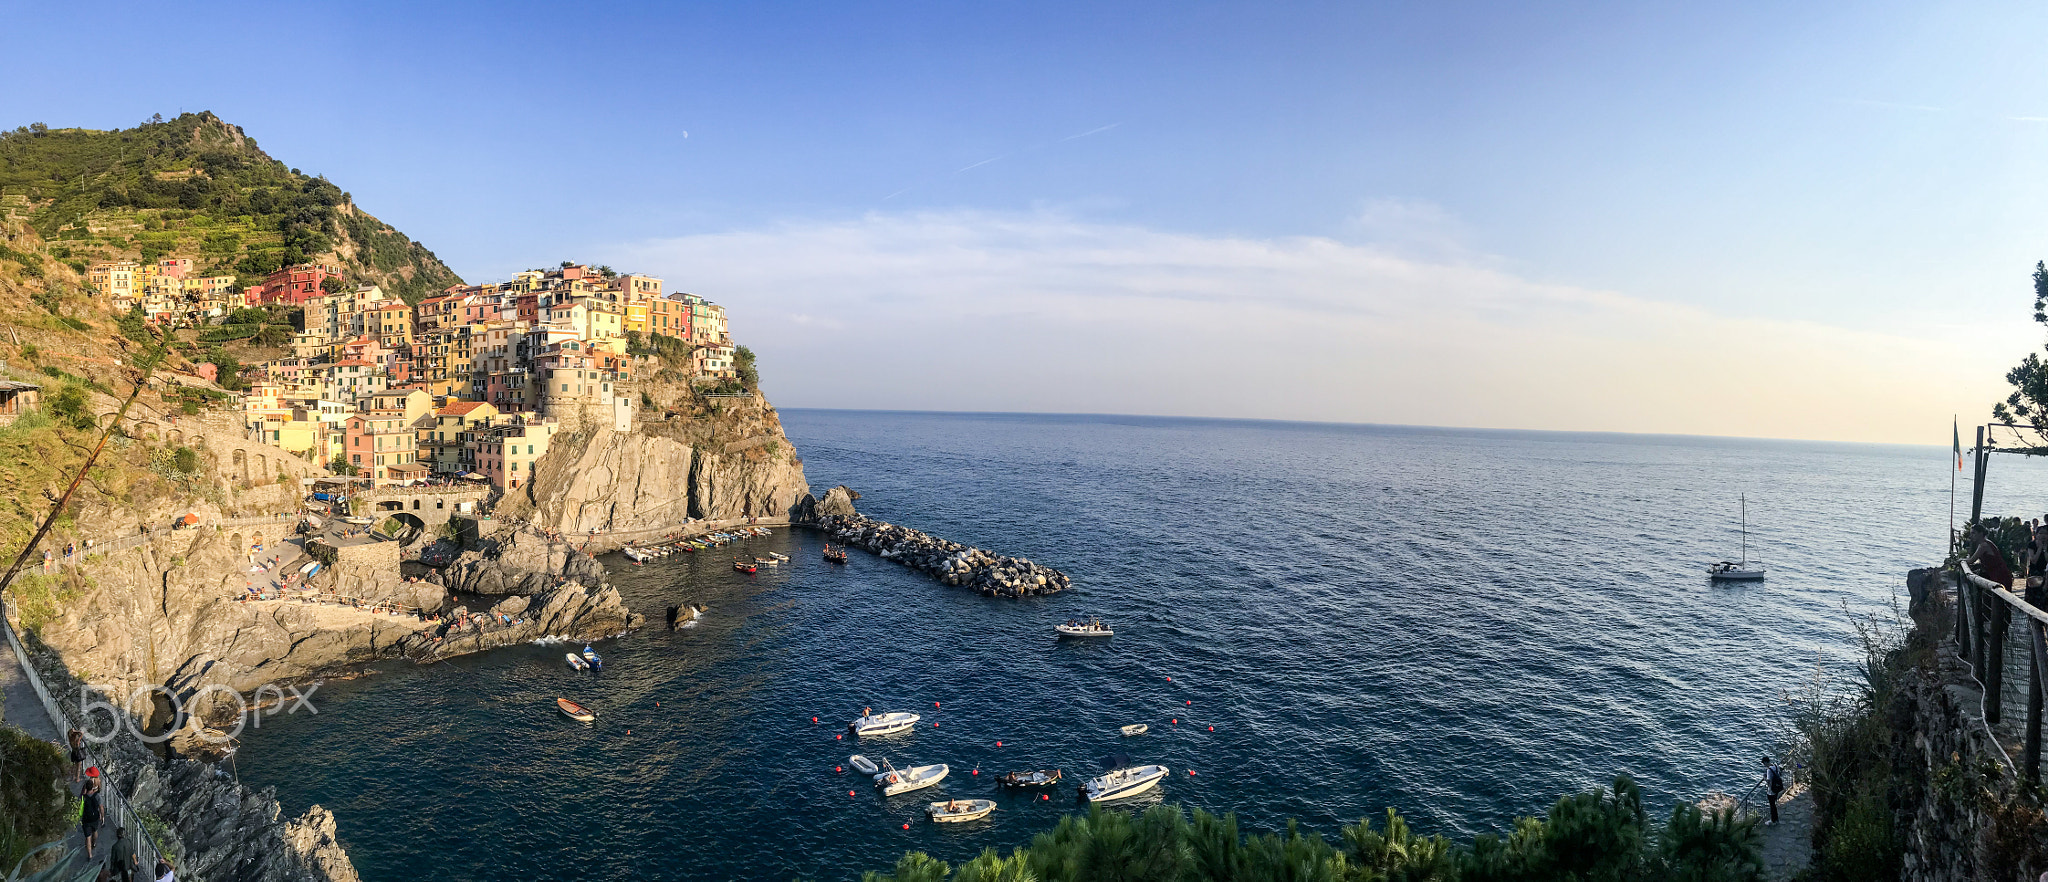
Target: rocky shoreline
952	563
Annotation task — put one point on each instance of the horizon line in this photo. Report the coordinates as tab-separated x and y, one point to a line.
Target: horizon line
1310	422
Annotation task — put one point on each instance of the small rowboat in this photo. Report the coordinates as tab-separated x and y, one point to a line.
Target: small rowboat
1090	628
954	811
862	764
766	562
897	781
576	712
635	554
835	555
1136	729
1040	778
577	662
744	566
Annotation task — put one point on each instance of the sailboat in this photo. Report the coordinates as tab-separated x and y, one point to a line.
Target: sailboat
1741	570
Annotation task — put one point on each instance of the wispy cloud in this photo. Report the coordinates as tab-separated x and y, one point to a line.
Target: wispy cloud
1094	131
1050	312
2028	118
981	163
1894	105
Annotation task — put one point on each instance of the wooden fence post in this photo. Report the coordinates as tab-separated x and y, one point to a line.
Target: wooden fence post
2039	653
1993	674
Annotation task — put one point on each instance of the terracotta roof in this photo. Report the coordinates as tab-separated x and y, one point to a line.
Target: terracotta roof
461	408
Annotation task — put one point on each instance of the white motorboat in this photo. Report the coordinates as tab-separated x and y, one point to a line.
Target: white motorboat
954	811
863	765
884	724
1122	783
897	781
1136	729
778	555
635	554
1091	628
577	662
1739	570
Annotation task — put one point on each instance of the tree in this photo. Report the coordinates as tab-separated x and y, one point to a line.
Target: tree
333	285
340	466
743	367
2028	403
228	370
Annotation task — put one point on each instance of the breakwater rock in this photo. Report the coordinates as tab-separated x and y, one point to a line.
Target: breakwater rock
950	562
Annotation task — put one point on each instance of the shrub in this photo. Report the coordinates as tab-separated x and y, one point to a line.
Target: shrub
32	802
186	459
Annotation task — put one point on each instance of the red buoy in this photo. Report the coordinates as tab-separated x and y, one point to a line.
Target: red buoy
935	704
1176	721
813	719
977	771
1046	797
1212	728
849	793
1191	773
838	738
838	768
999	744
906	826
1191	704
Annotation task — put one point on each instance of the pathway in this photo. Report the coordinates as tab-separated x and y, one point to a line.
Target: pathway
1788	844
25	710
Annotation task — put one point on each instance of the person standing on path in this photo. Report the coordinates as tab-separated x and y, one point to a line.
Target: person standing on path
1774	781
125	861
77	740
89	819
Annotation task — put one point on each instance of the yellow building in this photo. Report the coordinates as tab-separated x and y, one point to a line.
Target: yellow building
637	314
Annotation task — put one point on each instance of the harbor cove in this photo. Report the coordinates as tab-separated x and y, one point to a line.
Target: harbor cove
1058	442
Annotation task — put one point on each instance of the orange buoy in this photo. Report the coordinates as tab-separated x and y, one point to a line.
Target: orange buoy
629	731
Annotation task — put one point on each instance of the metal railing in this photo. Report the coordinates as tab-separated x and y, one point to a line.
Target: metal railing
1984	612
118	809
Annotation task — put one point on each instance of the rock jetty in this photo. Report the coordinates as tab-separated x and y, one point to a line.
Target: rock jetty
992	575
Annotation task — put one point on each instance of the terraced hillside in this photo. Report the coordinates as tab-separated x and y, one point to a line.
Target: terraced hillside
197	186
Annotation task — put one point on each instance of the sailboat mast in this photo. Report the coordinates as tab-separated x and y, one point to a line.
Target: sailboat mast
1745	528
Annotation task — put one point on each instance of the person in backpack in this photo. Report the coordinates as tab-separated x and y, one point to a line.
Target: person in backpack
1774	781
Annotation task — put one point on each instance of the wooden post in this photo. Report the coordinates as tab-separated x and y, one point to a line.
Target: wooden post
1977	480
1993	674
2031	765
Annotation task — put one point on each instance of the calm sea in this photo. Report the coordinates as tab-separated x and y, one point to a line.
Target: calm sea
1318	621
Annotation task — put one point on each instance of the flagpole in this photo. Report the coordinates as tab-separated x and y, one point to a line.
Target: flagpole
1957	426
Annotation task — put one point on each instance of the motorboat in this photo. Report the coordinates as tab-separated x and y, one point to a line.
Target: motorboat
577	662
744	566
835	555
1743	570
777	555
1136	729
863	765
590	655
896	781
1091	628
635	554
884	724
576	712
1122	783
954	811
767	562
1040	778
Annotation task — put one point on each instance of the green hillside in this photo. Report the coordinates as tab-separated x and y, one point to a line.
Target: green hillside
196	186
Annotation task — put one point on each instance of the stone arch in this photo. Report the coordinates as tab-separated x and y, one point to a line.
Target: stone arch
239	547
147	429
413	528
174	436
415	503
238	463
391	505
263	475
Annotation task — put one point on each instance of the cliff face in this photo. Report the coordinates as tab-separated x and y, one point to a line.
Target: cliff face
718	459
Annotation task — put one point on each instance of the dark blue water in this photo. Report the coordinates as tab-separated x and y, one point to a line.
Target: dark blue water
1460	624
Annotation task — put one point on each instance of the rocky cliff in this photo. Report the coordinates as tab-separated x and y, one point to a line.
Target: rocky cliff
707	459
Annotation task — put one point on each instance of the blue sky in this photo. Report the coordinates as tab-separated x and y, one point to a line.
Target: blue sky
1489	190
